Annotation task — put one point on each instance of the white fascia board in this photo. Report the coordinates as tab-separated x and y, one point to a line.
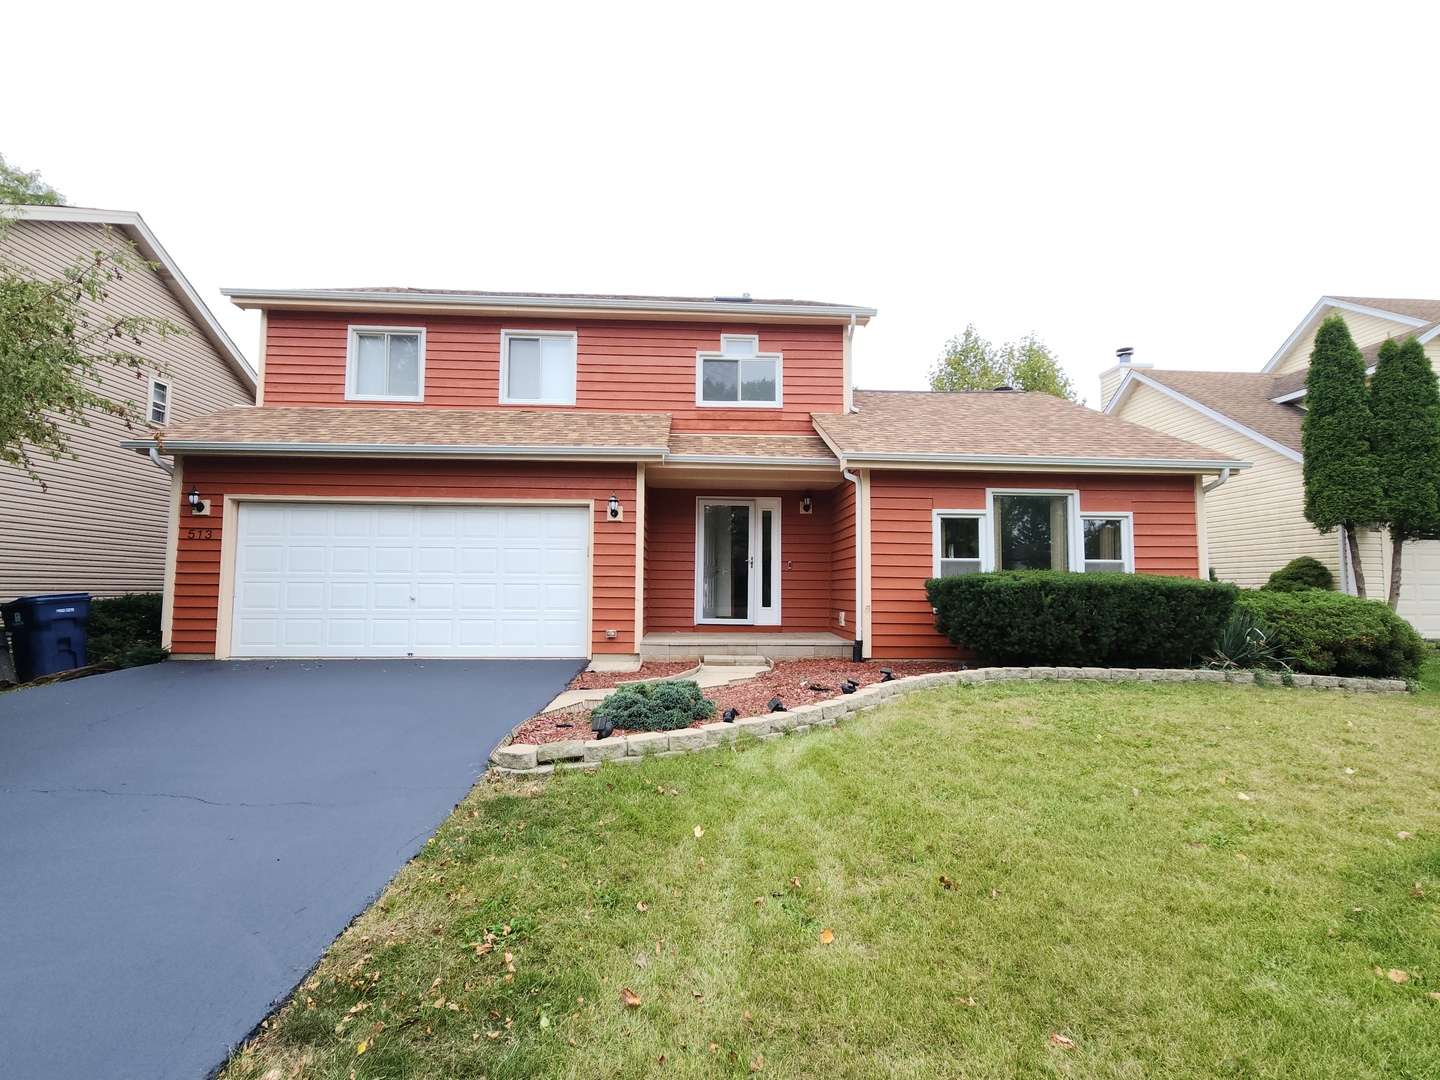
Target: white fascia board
151	249
480	302
629	453
1295	395
1344	305
1130	464
1429	334
1204	410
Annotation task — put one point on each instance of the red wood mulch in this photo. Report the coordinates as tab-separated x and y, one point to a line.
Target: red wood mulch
651	669
794	682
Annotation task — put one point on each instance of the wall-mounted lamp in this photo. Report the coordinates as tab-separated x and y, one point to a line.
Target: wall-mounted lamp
198	506
614	512
805	505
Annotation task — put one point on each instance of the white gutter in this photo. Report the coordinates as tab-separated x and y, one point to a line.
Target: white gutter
1213	484
155	460
1061	462
660	305
859	562
408	449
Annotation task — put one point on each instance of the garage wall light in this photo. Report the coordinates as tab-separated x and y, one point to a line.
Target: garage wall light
198	506
614	513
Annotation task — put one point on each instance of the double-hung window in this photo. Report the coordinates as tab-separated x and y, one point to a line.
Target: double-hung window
1107	543
959	537
386	363
159	404
537	367
739	375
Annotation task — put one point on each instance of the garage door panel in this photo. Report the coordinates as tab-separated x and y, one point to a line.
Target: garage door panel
1420	587
354	580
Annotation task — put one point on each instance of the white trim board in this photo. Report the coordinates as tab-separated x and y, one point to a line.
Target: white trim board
1132	377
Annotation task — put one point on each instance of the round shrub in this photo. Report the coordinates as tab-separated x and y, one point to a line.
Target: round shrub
1327	633
661	706
1081	620
1300	574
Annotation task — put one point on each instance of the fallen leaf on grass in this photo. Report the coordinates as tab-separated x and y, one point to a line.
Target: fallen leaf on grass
1435	994
697	995
994	894
758	1065
1395	975
362	1047
1349	771
1242	796
945	881
629	998
1402	835
699	832
970	1003
640	960
746	1017
827	936
640	905
1062	1041
795	883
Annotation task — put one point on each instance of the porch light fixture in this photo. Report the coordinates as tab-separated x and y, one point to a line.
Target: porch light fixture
614	508
197	505
805	505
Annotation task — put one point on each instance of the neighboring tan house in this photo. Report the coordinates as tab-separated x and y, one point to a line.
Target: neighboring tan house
1256	520
100	523
477	474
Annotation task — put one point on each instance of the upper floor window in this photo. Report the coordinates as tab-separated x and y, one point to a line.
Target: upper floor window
537	367
738	375
386	363
159	402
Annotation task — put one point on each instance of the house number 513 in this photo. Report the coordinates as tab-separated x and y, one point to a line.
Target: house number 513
199	534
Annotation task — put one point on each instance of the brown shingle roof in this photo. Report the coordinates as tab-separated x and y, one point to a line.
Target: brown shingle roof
414	291
1429	310
987	426
537	431
1242	396
791	447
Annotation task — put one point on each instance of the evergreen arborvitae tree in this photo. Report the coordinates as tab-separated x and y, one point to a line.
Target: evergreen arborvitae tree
1405	408
1342	479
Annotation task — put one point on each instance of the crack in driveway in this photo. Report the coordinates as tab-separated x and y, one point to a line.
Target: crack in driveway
167	795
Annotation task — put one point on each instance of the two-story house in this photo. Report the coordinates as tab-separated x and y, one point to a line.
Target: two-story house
442	474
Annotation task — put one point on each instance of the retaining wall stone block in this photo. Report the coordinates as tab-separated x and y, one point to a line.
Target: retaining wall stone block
610	749
515	756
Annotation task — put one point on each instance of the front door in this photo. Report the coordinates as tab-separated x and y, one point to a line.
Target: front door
738	561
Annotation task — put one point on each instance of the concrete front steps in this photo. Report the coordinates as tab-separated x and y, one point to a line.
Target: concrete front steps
684	646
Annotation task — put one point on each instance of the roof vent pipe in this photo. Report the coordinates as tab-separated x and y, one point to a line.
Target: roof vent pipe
1125	354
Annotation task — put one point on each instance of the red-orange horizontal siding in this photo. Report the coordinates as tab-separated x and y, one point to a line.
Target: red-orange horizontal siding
197	568
902	538
621	366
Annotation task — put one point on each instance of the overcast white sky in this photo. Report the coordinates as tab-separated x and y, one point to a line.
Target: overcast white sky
1185	179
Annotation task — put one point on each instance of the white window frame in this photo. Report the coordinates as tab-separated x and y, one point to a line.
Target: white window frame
506	335
150	400
754	340
989	557
1127	533
760	616
352	357
987	537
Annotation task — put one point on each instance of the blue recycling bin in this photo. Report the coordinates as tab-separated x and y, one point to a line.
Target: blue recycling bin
47	633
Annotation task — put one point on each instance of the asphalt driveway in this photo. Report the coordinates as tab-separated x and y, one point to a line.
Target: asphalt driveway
179	843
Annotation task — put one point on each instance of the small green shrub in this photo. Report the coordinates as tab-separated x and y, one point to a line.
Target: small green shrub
124	631
1081	620
1247	641
662	706
1327	633
1300	574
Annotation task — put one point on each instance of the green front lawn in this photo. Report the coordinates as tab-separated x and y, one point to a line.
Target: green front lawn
1021	880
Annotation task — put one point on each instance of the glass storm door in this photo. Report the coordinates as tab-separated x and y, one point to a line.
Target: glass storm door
739	562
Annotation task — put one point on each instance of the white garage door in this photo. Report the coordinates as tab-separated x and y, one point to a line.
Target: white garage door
1420	587
317	579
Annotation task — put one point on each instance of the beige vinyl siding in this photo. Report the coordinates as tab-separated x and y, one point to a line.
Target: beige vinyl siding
99	525
1255	522
1365	329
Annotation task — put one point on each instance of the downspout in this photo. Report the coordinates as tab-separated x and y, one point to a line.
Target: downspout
859	653
164	466
1213	484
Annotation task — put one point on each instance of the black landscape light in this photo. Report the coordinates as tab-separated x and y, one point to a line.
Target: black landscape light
729	716
849	686
887	675
776	705
602	727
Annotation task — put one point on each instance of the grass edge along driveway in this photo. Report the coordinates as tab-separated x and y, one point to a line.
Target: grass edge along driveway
978	881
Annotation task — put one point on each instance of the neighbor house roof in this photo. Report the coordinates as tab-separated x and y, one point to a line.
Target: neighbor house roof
426	432
1245	397
1418	317
1426	310
132	226
477	302
892	427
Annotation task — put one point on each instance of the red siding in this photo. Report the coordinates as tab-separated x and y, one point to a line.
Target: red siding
902	546
806	553
842	566
197	574
622	366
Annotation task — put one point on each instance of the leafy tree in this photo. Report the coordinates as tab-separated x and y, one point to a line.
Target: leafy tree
17	186
1342	478
1405	405
969	362
58	342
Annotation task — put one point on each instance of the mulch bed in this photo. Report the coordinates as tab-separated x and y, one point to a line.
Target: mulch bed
651	669
794	682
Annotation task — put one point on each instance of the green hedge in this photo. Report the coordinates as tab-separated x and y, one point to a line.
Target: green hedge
1081	620
661	706
1300	574
1326	633
124	631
